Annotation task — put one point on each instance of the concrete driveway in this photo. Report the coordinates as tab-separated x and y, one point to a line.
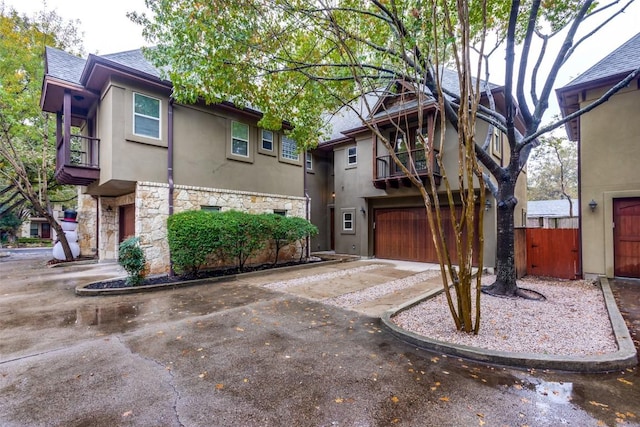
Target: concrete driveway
238	354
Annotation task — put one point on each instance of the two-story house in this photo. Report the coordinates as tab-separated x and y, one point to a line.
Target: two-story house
138	156
366	206
608	140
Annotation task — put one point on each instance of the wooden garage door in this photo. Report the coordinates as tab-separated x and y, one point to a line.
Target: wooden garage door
404	234
626	237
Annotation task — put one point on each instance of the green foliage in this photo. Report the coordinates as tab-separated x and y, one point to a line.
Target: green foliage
27	141
285	230
33	241
193	236
243	235
131	258
10	223
553	170
197	237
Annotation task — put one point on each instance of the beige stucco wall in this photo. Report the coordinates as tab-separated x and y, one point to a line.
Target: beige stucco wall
609	155
202	153
355	191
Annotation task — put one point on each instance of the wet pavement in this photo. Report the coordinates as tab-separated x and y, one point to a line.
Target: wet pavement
236	354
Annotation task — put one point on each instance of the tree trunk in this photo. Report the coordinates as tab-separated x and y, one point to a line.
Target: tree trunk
505	284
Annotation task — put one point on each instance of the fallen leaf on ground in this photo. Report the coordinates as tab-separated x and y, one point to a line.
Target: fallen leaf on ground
623	381
202	375
219	386
126	414
444	398
602	405
339	400
395	399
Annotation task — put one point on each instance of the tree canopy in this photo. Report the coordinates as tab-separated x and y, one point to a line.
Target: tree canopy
27	150
299	61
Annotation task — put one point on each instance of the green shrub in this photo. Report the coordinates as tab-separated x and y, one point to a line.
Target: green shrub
243	235
131	258
285	230
193	236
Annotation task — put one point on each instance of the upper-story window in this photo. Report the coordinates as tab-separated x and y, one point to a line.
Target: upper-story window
352	156
289	149
267	140
309	161
497	144
146	116
239	139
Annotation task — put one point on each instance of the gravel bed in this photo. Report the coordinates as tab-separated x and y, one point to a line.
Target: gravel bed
353	299
284	284
573	321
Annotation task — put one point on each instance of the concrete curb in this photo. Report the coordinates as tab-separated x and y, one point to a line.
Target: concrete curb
82	290
625	357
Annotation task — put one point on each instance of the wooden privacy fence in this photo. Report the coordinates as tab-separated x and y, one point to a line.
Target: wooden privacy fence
552	252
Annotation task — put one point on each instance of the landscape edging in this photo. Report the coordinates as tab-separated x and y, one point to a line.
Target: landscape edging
625	357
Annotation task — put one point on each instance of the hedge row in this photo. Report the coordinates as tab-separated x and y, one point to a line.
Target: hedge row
196	237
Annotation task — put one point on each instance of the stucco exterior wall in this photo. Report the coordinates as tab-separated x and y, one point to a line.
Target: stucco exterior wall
609	153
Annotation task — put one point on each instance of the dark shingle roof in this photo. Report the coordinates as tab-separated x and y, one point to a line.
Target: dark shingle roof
621	61
63	65
347	119
133	59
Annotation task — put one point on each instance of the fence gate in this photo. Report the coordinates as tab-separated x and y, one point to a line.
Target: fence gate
553	252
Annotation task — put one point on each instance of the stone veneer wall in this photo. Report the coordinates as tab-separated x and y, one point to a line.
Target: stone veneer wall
87	224
152	211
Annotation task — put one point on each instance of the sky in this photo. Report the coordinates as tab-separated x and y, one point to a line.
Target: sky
107	29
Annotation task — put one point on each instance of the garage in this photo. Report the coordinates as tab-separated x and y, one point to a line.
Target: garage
404	234
626	237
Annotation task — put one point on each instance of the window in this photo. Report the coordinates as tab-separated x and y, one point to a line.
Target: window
33	229
267	140
239	139
309	161
210	208
352	156
289	149
497	144
347	221
281	212
146	116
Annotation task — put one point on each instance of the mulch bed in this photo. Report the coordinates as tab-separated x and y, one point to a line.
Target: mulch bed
205	274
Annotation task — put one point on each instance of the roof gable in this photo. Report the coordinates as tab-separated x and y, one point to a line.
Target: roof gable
623	60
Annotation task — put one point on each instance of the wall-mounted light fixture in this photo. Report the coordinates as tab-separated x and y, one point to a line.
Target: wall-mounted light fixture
363	210
487	204
109	208
333	195
593	205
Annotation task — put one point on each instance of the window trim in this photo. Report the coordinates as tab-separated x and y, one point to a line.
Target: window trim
159	118
210	208
350	156
496	143
344	212
262	140
243	156
283	140
308	161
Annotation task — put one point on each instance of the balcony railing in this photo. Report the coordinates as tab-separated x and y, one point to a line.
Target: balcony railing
79	163
417	161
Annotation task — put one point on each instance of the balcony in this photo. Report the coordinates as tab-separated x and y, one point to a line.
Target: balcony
389	174
77	160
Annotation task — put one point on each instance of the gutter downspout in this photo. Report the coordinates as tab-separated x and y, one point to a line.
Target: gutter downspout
97	199
307	214
170	169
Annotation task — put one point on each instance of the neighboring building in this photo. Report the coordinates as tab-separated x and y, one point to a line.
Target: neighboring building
138	156
609	154
366	206
552	213
39	227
